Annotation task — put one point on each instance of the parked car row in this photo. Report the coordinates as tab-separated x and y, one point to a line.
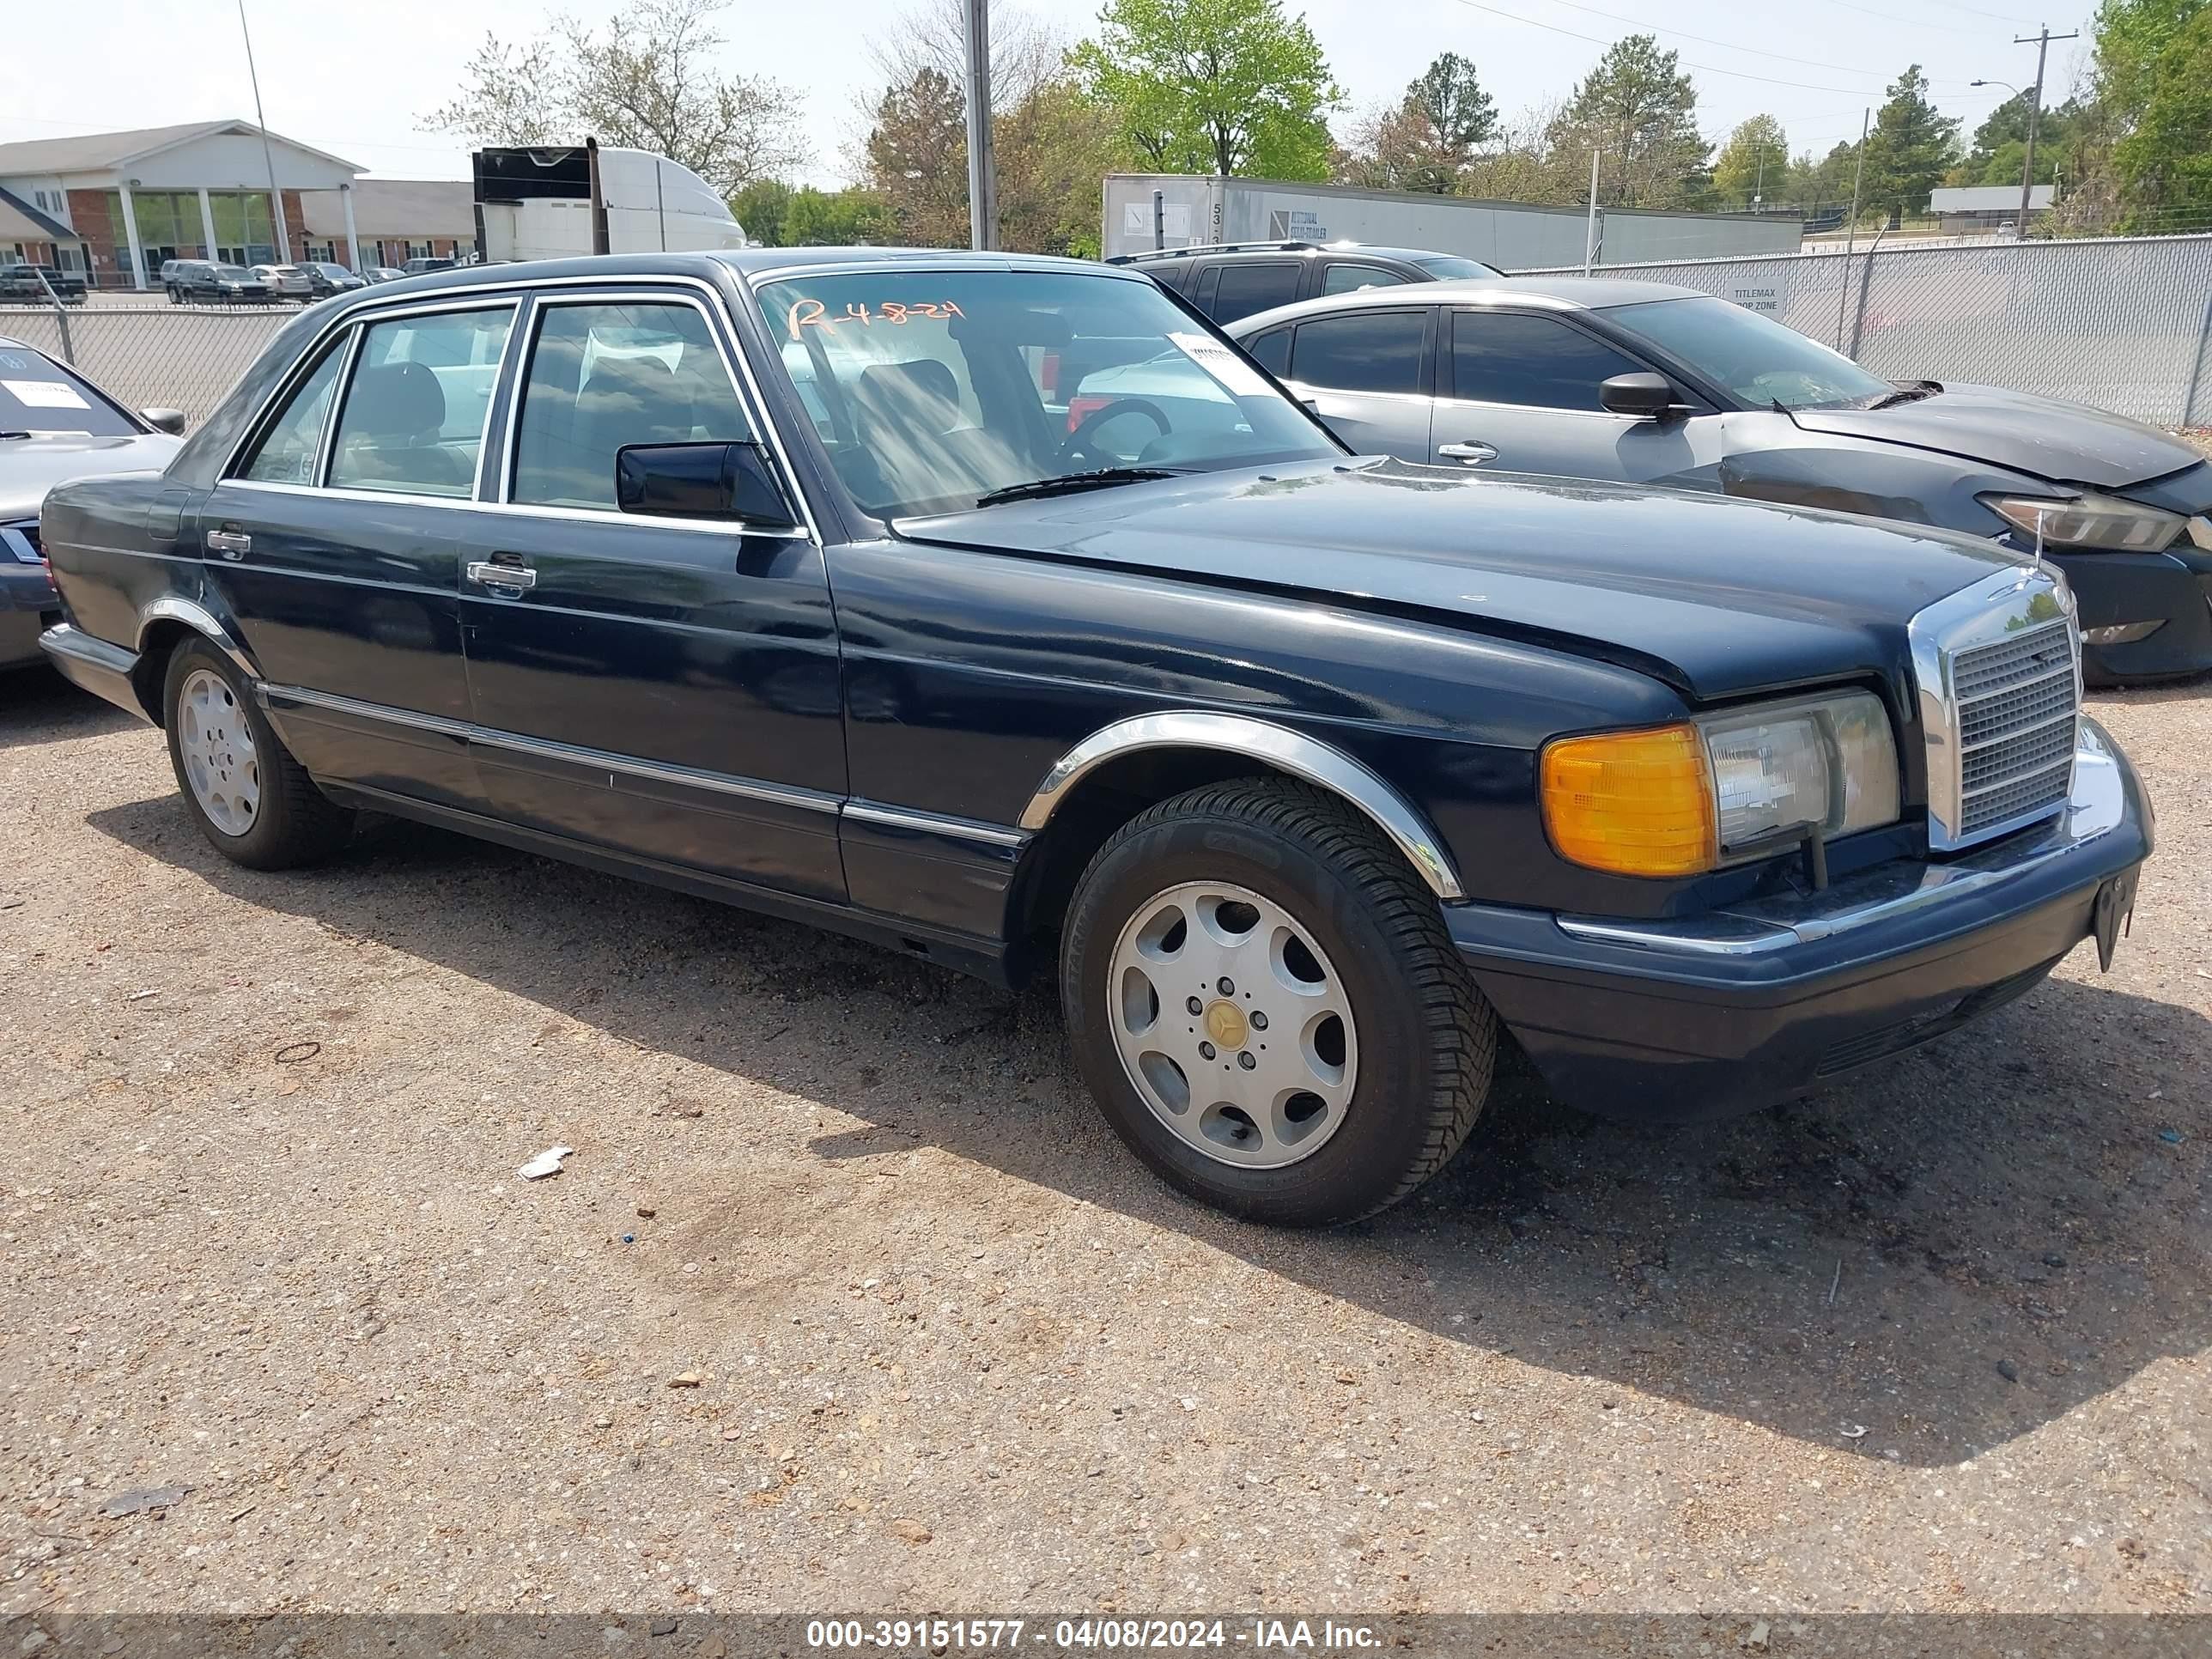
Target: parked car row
1000	609
211	281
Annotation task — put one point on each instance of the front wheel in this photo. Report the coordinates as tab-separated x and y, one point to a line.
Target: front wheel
253	802
1263	999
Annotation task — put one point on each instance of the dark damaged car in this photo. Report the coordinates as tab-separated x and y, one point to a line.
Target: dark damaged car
795	579
1648	383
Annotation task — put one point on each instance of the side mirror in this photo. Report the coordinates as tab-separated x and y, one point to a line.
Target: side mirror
701	480
171	421
1646	396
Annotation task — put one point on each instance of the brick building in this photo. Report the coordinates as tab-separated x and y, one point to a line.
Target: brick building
123	202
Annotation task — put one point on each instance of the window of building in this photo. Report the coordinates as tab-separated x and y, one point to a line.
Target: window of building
602	376
413	418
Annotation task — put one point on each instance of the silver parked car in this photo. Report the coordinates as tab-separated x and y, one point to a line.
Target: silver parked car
286	281
55	425
1647	383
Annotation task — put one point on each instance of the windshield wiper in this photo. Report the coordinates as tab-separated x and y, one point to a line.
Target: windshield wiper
1905	395
1068	484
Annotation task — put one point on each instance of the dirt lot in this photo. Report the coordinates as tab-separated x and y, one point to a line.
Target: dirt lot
1936	1339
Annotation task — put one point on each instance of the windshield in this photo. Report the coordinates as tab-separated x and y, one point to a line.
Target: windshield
932	389
38	395
1758	359
1444	266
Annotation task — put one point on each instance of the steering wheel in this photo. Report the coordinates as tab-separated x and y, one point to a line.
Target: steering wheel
1078	440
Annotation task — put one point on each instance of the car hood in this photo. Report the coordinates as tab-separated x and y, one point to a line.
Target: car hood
29	467
1714	596
2067	443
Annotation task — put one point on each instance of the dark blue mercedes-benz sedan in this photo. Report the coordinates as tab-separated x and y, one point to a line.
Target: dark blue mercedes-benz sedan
803	579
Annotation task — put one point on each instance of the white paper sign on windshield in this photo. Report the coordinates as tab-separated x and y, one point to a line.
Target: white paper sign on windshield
45	394
1242	380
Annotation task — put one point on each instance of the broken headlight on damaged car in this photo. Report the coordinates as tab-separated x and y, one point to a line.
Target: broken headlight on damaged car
1681	799
2089	521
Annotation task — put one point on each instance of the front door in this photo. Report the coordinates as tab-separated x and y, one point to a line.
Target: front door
336	548
1367	374
662	687
1517	391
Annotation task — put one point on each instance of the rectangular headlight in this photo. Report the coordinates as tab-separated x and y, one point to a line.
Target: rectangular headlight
1677	800
2089	520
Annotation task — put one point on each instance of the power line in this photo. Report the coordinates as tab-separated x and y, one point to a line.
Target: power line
1910	22
1726	45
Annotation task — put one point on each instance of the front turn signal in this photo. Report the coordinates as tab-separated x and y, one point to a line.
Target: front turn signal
1636	803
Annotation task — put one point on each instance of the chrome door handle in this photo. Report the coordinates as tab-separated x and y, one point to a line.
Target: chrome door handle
231	544
516	576
1473	454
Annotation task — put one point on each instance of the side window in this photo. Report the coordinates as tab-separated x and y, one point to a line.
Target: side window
1361	351
1271	351
602	376
413	418
288	450
1502	357
1245	288
1343	277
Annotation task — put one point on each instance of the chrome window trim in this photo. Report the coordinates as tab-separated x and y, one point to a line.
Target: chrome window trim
524	509
200	620
1980	614
327	441
516	294
1294	751
2094	808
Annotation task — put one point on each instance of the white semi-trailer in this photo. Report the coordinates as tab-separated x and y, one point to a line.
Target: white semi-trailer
536	205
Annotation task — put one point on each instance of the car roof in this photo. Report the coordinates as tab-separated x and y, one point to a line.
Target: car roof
752	265
1540	293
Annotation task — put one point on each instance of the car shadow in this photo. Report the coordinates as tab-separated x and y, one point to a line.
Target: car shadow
37	705
1924	1261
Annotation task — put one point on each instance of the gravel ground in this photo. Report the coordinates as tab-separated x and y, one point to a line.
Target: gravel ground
848	1299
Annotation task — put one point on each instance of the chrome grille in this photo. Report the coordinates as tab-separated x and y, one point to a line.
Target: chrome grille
2017	705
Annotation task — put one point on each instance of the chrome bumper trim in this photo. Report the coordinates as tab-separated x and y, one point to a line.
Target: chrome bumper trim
2096	808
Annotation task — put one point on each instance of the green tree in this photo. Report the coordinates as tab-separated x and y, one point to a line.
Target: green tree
841	218
1755	161
1448	95
2166	159
1911	146
916	159
760	207
1640	111
1211	86
1999	150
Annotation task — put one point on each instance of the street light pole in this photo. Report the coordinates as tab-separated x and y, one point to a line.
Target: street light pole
982	179
283	248
2034	114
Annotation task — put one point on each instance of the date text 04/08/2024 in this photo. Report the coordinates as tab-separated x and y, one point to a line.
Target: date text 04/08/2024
1129	1634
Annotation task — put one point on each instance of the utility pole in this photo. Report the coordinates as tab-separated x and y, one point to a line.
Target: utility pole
1851	228
983	177
283	248
2035	114
1589	231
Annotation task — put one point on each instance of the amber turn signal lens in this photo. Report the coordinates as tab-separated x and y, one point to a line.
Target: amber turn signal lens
1636	803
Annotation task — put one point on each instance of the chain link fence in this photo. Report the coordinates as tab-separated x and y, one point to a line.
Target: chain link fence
2123	323
151	356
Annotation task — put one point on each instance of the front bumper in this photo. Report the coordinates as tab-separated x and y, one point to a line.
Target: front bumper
2113	589
1679	1021
28	603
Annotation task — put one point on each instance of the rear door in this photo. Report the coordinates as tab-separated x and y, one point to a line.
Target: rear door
1517	391
1367	372
1240	288
335	541
662	687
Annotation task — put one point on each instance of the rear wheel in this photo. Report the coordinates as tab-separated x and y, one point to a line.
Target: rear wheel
253	802
1263	999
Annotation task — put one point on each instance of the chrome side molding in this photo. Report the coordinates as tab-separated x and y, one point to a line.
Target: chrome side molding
1280	746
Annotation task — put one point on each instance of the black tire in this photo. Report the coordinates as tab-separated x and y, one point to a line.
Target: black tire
296	823
1427	1038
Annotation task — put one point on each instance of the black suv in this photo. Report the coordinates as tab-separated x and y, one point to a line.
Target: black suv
1229	280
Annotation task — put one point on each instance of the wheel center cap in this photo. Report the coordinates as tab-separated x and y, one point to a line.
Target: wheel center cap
1226	1024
